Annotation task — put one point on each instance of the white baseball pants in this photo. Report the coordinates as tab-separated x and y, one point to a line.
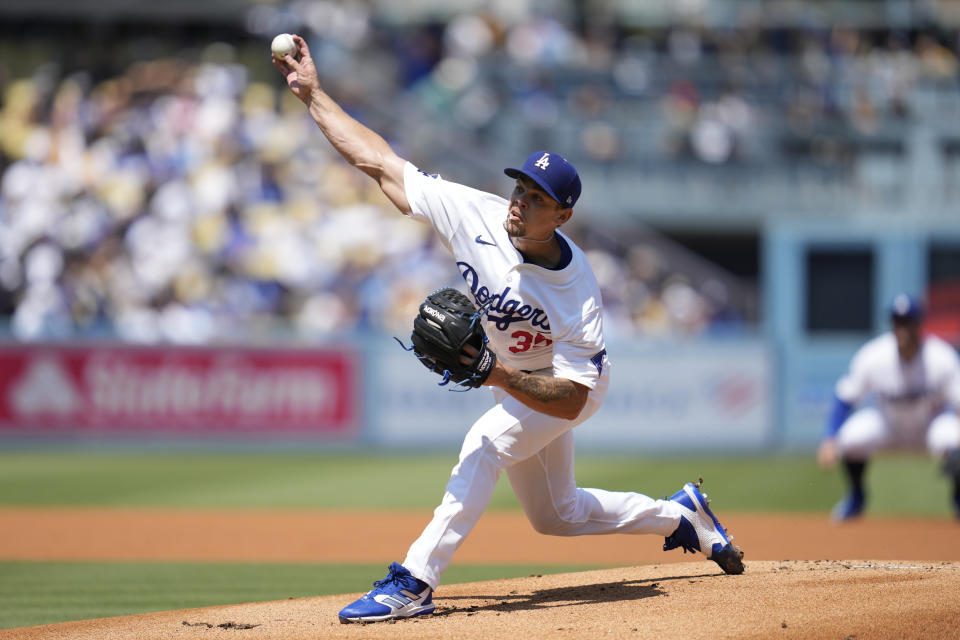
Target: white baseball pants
537	452
867	431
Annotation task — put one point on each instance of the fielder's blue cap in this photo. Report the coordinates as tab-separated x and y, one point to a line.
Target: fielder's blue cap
555	175
905	307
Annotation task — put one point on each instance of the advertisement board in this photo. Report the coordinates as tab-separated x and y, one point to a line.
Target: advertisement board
116	389
690	396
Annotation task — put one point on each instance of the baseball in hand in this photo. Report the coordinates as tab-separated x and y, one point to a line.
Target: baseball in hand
283	45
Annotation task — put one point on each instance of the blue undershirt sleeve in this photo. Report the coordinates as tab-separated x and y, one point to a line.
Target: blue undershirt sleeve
841	411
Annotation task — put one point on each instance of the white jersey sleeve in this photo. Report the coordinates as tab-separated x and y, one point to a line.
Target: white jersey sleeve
443	204
581	357
854	386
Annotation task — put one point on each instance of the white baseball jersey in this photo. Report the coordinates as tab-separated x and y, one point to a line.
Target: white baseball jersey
536	317
908	394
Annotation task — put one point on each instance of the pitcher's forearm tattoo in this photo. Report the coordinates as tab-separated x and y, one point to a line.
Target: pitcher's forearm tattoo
544	389
557	397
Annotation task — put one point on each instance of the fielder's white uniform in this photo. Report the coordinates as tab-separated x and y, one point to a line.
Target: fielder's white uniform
914	404
538	319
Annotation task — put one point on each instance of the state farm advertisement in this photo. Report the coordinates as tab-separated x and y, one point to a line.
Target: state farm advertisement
211	391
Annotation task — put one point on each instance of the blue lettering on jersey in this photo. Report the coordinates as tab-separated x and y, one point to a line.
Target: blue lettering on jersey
502	310
429	175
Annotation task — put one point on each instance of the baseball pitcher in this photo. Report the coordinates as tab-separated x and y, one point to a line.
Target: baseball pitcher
529	325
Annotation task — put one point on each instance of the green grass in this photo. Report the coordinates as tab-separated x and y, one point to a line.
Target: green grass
908	485
33	593
224	480
41	592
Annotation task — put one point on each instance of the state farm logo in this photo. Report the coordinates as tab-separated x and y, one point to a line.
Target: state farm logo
230	388
196	390
45	388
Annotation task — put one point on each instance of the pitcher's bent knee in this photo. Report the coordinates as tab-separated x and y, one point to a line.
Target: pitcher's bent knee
551	523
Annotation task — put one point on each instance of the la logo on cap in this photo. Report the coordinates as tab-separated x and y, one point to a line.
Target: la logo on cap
557	177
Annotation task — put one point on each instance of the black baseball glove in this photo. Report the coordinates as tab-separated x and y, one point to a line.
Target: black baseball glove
447	322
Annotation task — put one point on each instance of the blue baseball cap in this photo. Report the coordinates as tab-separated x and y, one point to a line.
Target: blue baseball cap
555	175
905	307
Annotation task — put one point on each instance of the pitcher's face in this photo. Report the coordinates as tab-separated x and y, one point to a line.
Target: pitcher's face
532	213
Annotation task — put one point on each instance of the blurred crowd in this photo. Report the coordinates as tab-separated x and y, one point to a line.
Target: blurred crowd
742	93
191	201
144	206
182	203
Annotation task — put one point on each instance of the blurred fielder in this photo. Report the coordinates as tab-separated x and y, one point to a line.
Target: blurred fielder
549	369
914	382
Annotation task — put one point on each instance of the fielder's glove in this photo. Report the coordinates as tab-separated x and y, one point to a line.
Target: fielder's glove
448	321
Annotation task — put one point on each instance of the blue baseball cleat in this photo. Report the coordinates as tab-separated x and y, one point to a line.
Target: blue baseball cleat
849	508
399	595
699	530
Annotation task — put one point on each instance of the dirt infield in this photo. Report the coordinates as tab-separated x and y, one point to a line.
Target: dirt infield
500	537
797	583
797	599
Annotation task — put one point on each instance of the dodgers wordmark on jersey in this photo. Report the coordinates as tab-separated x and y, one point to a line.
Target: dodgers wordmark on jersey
907	393
536	317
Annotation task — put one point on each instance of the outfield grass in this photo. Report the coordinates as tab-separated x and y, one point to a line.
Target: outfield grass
41	592
908	485
33	593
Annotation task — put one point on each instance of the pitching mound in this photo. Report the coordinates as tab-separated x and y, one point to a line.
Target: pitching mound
690	600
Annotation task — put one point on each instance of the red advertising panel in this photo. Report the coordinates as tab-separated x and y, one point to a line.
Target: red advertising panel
113	389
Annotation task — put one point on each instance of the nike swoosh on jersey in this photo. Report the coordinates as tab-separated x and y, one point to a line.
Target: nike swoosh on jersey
480	240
